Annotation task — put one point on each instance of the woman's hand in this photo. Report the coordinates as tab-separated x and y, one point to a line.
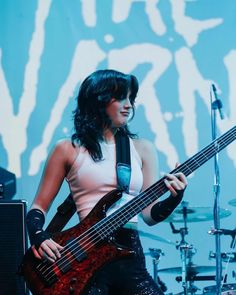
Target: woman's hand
48	250
176	183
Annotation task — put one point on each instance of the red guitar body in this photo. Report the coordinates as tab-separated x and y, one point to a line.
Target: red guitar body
76	279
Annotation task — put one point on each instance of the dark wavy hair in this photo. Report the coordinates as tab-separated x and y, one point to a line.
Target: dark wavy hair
90	116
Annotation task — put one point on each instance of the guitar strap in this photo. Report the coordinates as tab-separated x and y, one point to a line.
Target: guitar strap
64	213
123	164
123	171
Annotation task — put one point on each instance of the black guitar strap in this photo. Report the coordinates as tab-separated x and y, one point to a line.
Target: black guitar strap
123	170
64	213
123	165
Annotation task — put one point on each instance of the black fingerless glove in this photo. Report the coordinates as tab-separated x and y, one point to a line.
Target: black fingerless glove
161	210
35	220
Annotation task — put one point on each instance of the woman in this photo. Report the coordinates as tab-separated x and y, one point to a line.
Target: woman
105	103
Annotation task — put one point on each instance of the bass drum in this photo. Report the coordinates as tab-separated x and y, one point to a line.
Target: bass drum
227	289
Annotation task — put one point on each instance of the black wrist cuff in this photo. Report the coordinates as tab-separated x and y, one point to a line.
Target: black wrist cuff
161	210
34	220
38	238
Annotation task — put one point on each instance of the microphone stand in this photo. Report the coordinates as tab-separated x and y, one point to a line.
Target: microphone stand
216	105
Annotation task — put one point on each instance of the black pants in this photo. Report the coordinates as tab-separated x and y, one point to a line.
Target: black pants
125	276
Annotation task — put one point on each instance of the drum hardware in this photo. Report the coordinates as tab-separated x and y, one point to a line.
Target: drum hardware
156	257
192	270
192	289
188	270
197	278
183	231
192	275
225	256
226	232
226	289
216	106
186	250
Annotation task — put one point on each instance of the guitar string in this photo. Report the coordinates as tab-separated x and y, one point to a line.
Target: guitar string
96	241
189	165
126	215
195	162
98	237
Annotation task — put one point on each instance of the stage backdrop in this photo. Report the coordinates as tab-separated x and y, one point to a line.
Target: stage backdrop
177	49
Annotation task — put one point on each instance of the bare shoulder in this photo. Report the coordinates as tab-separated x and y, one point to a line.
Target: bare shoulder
144	146
148	154
63	146
65	150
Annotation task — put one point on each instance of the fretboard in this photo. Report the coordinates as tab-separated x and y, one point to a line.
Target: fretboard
120	217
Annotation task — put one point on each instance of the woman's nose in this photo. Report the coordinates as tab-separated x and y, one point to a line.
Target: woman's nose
128	103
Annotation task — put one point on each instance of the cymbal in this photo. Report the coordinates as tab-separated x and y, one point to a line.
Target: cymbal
196	214
232	202
155	238
191	270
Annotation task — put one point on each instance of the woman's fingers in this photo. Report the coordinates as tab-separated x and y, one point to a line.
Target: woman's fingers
175	182
46	251
55	248
178	178
57	245
49	250
173	187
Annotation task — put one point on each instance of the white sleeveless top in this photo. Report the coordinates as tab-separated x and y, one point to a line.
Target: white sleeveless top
89	181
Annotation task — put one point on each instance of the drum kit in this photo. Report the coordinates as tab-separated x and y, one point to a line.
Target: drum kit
189	272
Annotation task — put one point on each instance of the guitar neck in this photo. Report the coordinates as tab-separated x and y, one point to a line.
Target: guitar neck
117	219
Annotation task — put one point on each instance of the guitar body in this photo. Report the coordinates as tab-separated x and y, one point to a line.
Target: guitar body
76	279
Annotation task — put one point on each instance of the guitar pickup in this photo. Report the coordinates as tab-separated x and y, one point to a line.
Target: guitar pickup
78	253
73	252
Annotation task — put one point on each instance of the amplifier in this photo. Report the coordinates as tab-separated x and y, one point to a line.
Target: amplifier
13	244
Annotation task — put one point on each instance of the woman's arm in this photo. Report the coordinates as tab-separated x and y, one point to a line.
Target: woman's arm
176	183
56	168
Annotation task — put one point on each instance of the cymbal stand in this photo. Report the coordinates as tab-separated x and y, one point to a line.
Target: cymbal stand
216	104
192	289
183	246
226	257
156	257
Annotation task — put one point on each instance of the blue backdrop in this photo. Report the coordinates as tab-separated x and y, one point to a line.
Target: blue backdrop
177	49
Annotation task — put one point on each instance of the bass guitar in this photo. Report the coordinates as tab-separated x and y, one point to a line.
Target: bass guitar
89	245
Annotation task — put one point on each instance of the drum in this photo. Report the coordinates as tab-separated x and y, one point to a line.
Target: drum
227	289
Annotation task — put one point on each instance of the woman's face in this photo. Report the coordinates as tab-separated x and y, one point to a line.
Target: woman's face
119	111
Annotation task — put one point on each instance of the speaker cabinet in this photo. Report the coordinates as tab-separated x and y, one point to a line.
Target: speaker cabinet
13	244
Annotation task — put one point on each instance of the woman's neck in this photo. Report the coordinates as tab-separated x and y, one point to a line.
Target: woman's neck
109	134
